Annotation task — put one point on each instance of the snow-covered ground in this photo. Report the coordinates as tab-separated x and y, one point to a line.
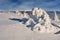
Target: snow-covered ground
16	30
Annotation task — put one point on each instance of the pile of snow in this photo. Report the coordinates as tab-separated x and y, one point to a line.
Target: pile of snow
43	23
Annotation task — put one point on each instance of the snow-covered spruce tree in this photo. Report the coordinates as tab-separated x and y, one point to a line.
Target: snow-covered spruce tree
56	17
44	21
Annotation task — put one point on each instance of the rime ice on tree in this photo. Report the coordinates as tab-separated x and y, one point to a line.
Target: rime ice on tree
56	17
44	21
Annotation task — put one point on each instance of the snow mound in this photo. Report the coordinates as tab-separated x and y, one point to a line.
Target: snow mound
43	23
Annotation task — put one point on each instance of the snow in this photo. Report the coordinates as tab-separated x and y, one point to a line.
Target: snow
16	30
44	21
56	17
26	15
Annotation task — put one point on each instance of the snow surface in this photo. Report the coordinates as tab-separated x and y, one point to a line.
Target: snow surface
12	28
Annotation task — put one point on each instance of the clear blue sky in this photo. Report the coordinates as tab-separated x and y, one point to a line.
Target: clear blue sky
28	4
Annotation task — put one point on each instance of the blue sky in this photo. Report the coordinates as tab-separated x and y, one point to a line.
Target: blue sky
28	4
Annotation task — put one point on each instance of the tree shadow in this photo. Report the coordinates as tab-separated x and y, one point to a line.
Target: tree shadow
55	25
31	26
19	20
57	32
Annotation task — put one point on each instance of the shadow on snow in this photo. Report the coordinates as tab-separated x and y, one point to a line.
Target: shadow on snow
19	20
